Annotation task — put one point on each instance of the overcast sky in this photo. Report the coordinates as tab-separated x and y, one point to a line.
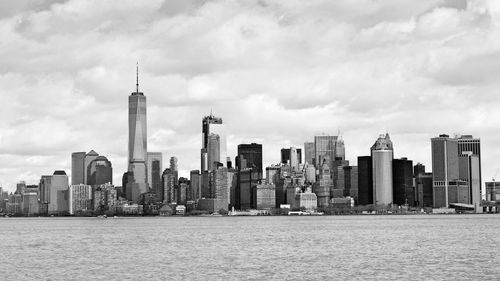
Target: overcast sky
277	72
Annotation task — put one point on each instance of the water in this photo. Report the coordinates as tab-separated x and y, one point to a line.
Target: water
427	247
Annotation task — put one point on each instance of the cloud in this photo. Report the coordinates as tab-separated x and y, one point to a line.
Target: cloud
277	72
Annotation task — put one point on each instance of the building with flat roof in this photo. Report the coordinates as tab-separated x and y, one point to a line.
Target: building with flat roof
365	180
80	198
492	191
309	153
155	169
307	200
252	156
58	194
403	188
264	196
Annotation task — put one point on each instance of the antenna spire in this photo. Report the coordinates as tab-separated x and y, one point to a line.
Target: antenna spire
137	77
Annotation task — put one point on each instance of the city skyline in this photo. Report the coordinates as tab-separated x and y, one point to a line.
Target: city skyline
58	108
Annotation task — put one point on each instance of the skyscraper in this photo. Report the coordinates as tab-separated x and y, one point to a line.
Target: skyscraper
403	189
324	150
309	153
195	185
212	127
467	143
382	155
252	154
445	168
58	193
213	151
323	186
78	168
89	157
470	171
99	171
80	198
292	154
155	160
80	163
137	143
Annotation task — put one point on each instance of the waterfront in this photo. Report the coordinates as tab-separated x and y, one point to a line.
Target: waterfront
437	247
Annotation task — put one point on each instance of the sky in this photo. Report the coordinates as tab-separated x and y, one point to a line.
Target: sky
276	72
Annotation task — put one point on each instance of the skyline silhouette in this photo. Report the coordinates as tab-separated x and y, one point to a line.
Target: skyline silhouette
277	73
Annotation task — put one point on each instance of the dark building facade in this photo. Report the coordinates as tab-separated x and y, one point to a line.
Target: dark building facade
419	168
402	182
285	155
250	156
423	185
99	171
365	180
248	179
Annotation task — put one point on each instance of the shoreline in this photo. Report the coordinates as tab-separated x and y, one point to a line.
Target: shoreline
247	215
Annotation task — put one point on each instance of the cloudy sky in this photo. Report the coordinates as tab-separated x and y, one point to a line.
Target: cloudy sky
277	72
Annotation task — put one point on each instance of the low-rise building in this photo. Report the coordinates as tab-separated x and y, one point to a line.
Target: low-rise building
346	202
307	200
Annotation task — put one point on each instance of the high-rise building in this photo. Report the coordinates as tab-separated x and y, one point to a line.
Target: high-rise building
247	180
365	180
90	168
99	171
340	149
105	198
264	196
403	189
327	149
323	186
324	150
213	151
30	203
347	182
292	154
89	157
271	173
220	185
20	187
137	144
468	145
212	134
470	172
169	180
419	168
251	156
78	168
445	168
181	191
195	185
80	198
155	160
423	185
310	173
44	192
382	155
58	193
309	153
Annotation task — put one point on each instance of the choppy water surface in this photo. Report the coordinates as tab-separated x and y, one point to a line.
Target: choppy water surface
456	247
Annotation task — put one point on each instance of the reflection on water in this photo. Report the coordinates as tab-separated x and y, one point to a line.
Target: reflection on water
464	247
